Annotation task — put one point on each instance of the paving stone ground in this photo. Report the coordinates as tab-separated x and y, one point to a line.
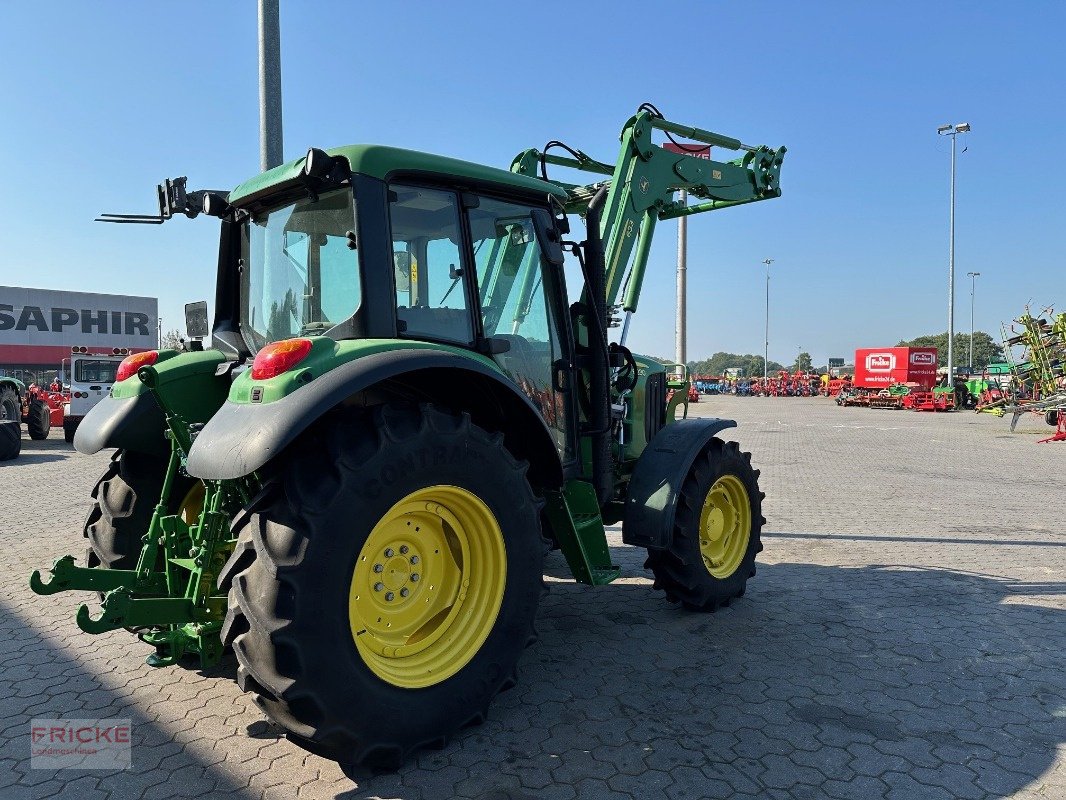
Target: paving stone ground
903	638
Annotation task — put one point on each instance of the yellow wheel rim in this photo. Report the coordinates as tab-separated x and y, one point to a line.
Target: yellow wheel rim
725	526
193	504
427	586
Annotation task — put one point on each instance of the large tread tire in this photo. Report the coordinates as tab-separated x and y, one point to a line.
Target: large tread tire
124	500
289	577
10	409
10	439
39	419
679	570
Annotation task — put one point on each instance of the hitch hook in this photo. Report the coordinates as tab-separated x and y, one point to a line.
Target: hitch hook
59	577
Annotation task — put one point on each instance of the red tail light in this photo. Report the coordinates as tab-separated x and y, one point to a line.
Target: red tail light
279	357
130	364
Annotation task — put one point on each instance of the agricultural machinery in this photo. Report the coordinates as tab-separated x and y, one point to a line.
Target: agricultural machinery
786	384
20	403
355	486
680	390
1040	372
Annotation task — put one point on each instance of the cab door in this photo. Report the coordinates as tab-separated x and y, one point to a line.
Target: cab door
521	298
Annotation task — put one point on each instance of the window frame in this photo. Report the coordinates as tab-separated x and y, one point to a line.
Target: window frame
466	263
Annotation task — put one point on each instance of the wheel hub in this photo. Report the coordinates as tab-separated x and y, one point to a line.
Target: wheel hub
427	586
725	526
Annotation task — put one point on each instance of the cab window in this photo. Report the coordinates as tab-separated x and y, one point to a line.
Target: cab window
432	295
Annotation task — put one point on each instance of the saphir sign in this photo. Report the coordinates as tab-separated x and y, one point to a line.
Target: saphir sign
39	326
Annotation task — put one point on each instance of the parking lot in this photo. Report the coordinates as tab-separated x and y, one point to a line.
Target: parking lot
903	638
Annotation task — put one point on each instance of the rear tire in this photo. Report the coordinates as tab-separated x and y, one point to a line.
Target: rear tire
684	569
125	499
39	419
296	584
69	429
10	439
1052	418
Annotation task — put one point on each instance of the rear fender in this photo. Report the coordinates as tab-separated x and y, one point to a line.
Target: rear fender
243	437
658	477
131	417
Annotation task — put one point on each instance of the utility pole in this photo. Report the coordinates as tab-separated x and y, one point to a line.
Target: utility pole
973	288
270	140
952	131
680	343
766	338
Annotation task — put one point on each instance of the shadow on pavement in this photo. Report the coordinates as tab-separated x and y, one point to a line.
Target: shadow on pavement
822	681
40	680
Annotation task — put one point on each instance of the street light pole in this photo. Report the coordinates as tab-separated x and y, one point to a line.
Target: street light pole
766	337
973	288
270	140
952	131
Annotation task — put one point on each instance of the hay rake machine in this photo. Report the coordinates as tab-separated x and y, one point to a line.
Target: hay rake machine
1040	373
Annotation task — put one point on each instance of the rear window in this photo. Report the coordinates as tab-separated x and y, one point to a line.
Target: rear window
95	371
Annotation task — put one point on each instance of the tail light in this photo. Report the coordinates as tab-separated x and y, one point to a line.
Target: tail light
279	357
130	364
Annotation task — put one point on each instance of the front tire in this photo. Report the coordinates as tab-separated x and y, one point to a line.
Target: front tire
39	419
385	585
717	531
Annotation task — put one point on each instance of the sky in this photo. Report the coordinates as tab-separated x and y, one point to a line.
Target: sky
101	101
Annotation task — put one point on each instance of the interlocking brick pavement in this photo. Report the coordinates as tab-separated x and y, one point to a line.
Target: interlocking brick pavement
903	639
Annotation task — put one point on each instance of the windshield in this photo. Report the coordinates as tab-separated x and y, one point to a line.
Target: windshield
300	272
95	371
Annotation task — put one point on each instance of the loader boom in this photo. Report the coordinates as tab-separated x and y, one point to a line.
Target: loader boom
642	186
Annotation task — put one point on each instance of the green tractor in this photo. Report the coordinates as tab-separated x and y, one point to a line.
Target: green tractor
400	413
17	405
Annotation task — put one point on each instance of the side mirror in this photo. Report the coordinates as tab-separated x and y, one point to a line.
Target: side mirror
196	325
548	236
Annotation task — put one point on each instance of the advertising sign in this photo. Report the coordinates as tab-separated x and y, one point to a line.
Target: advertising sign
39	326
881	367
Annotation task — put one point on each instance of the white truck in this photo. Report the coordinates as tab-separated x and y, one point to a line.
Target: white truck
90	377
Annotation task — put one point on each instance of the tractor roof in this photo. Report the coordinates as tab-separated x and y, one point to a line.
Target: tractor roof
380	161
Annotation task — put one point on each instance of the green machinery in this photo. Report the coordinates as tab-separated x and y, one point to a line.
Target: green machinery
1040	371
354	487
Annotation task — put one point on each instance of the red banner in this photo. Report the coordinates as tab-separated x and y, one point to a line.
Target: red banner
695	150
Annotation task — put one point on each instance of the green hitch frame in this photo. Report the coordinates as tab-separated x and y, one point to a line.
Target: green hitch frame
170	598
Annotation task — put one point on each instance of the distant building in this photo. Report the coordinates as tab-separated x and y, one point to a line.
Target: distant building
39	326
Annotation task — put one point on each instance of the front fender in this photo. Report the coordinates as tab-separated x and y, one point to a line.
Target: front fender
242	437
658	477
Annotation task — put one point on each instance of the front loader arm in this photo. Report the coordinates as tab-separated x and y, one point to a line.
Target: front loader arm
642	186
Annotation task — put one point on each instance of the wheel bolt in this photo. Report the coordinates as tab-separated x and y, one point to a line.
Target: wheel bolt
403	549
389	552
404	592
378	568
414	576
389	596
414	559
378	586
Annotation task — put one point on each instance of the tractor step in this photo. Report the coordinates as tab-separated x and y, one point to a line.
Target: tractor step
575	518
